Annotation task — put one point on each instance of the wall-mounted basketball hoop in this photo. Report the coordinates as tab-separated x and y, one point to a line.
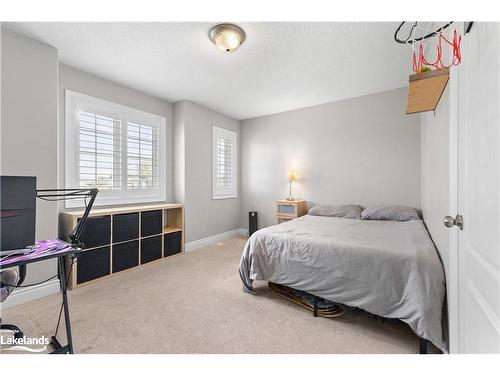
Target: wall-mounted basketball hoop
410	40
436	47
432	48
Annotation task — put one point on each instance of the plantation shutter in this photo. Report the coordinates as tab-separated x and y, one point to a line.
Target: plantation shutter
224	163
142	156
99	151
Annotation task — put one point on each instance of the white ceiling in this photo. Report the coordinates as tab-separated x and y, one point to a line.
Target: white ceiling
281	66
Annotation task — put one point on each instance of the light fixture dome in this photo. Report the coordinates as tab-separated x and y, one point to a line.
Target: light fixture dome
227	37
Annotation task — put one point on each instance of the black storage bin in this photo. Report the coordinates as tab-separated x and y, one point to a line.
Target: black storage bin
150	249
125	255
173	244
125	227
151	223
93	264
97	232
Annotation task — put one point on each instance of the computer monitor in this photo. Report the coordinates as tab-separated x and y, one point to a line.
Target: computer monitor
17	212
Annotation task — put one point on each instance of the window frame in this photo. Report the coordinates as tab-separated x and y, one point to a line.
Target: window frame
76	102
217	192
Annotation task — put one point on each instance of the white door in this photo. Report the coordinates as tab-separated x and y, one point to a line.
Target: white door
479	190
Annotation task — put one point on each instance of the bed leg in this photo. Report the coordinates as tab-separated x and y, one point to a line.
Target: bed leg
422	346
315	306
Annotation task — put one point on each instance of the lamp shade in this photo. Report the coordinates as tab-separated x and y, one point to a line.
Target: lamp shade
291	175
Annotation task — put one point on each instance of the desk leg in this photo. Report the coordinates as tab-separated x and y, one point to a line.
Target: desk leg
64	287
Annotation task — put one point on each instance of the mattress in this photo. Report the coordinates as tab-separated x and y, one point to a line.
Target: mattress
388	268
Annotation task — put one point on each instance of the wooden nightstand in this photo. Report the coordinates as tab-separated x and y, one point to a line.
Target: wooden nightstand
288	210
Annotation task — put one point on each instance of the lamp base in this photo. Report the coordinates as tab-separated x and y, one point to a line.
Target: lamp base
290	198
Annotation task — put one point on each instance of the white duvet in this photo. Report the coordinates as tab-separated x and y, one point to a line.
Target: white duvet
388	268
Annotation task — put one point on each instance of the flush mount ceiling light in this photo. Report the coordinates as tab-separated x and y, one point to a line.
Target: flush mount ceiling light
227	37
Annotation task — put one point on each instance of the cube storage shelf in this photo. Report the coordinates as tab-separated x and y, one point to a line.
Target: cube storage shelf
123	238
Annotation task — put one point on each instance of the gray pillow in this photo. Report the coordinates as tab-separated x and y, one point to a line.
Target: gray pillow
351	211
396	213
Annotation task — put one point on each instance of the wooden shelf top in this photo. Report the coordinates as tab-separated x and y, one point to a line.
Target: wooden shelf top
123	209
284	201
167	230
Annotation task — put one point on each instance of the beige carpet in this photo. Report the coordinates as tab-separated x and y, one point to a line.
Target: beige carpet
194	303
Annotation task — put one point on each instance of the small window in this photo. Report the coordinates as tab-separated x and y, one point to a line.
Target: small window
224	169
117	149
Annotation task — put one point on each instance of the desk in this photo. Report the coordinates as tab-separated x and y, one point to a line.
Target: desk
48	250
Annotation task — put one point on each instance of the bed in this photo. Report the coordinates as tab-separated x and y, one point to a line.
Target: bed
388	268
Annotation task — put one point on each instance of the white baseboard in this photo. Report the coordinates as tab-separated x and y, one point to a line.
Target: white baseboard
207	241
30	293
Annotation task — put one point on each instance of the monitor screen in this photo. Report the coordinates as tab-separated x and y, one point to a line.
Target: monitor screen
17	212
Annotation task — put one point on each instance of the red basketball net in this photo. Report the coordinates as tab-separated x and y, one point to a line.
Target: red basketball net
420	62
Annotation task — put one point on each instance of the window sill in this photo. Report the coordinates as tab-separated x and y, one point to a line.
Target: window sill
108	201
225	197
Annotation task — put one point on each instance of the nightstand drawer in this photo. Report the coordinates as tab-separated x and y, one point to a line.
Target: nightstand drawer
287	209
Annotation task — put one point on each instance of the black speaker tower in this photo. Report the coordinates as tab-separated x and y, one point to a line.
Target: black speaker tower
252	222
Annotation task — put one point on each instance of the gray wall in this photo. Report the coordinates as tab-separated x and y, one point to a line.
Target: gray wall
363	150
29	127
89	84
204	216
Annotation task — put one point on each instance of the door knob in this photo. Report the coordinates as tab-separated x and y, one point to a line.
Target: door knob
450	221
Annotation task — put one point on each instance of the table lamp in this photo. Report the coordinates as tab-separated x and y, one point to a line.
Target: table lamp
290	177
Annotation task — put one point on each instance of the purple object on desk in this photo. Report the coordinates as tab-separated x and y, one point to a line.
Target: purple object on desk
42	249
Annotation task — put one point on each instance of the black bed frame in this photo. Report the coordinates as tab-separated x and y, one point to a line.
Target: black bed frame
422	342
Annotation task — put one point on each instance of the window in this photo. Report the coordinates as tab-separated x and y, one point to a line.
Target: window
224	163
119	150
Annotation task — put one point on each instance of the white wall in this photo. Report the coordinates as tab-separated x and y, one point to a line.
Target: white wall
78	80
363	150
204	216
29	128
435	173
435	179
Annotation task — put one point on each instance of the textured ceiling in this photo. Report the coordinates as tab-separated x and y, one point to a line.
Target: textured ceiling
281	66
